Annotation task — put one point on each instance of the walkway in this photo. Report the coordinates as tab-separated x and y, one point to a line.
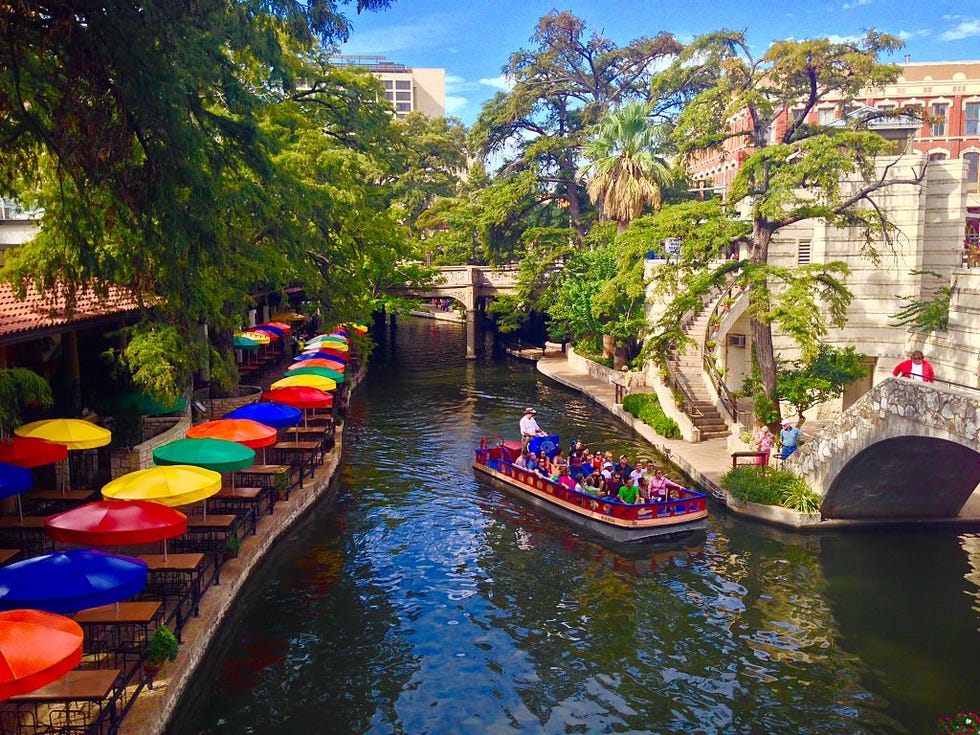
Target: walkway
704	462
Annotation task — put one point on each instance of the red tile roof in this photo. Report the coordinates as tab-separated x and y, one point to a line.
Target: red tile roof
44	311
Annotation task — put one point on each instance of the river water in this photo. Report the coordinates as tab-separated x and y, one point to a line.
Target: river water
428	601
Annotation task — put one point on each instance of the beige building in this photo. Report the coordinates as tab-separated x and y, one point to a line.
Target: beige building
408	89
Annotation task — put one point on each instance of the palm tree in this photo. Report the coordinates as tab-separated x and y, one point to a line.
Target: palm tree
626	172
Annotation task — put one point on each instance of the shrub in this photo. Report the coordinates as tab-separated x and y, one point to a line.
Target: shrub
646	407
771	487
963	723
162	646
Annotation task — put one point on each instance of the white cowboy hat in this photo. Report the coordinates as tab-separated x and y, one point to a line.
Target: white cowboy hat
529	410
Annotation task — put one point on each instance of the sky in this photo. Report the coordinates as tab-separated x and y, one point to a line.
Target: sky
473	39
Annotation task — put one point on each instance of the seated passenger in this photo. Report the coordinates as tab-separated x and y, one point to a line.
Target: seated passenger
521	461
660	486
643	485
629	492
564	479
530	462
544	464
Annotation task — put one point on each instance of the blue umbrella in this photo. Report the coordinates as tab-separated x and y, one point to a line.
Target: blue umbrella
69	581
327	355
270	413
13	481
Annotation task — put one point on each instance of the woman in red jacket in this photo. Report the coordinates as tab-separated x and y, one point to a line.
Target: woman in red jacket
917	369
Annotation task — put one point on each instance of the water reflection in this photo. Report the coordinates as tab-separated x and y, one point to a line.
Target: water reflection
428	601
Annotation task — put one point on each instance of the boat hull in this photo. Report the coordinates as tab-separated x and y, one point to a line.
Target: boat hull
617	522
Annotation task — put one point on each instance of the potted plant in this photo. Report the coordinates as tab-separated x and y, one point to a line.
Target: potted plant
232	545
280	486
162	647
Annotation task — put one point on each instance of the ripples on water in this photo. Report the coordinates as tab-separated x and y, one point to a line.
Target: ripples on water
427	601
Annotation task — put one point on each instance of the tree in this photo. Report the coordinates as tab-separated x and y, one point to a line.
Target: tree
811	382
627	173
794	170
930	314
19	388
561	87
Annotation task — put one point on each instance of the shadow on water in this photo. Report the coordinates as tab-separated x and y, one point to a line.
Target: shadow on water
427	601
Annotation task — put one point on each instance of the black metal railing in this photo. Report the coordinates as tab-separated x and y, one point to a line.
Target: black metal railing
732	291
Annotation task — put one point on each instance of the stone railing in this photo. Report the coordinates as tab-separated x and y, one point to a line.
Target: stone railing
124	460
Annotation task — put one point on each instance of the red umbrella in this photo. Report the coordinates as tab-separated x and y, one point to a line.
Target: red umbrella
25	451
319	362
116	523
301	397
36	648
279	325
244	431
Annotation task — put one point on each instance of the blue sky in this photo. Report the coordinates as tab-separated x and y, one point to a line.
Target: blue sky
472	39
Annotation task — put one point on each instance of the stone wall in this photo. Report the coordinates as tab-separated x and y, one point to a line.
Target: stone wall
218	407
123	461
894	408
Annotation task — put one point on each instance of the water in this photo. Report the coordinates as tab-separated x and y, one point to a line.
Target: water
426	601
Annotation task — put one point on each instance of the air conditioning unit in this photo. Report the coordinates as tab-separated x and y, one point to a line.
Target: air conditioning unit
736	340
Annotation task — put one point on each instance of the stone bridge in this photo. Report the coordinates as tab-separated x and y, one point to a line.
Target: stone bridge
470	285
905	450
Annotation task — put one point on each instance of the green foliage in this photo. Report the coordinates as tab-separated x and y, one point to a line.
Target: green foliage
962	723
825	376
769	486
157	360
930	314
20	387
162	646
233	544
571	310
646	407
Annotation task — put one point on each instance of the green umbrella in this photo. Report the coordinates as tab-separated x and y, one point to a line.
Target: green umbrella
322	371
141	404
244	343
219	455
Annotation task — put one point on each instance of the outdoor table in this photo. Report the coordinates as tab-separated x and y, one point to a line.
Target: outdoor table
73	701
26	533
264	475
56	501
121	629
309	453
243	502
208	535
178	576
8	555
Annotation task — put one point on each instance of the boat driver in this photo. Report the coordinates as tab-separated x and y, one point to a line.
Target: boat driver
529	427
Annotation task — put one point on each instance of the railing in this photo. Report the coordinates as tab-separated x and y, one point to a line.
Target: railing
678	386
728	400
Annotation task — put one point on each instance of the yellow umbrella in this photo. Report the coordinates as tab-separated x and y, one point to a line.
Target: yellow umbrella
310	381
261	337
73	433
170	485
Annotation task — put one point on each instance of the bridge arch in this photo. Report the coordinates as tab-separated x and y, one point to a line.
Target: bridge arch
905	449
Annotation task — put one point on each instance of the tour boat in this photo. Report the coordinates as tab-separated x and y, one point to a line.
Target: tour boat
612	519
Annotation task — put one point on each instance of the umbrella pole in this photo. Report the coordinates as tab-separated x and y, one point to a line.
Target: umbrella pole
165	551
20	508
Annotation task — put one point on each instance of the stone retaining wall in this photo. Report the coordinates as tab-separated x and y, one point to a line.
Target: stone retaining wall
123	460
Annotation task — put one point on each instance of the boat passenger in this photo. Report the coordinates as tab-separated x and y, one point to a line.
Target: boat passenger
564	479
629	492
606	470
637	472
623	466
660	486
614	483
575	468
544	464
644	487
521	461
587	466
530	462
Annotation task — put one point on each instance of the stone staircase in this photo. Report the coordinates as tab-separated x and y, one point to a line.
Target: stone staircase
687	367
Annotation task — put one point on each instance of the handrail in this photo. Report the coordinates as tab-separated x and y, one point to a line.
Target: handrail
676	386
728	400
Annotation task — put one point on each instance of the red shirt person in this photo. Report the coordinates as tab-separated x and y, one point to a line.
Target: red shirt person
917	368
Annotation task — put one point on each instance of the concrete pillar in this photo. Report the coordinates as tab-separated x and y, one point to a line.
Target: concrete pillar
471	329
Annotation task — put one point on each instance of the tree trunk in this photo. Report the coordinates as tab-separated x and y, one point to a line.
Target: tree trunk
608	346
762	331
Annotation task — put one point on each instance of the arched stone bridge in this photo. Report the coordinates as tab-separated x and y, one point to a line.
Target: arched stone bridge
905	450
470	285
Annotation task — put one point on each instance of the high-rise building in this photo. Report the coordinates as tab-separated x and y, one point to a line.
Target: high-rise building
408	89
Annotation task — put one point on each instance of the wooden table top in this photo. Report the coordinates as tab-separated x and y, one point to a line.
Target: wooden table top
240	493
8	554
213	520
92	685
131	611
25	522
187	562
265	469
59	494
297	446
311	430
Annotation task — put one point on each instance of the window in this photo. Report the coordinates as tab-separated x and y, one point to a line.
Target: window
403	84
826	116
403	96
939	112
937	156
972	124
886	108
972	166
388	83
390	96
403	106
803	253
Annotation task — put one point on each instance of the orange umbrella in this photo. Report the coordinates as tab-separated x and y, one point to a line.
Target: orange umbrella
319	362
36	648
244	431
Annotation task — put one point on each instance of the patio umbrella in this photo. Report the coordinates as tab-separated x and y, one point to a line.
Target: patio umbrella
321	371
27	452
327	345
116	523
338	338
335	365
244	431
358	327
69	581
310	381
301	397
263	338
13	481
322	355
276	415
219	455
244	343
36	648
142	404
73	433
170	485
273	332
278	325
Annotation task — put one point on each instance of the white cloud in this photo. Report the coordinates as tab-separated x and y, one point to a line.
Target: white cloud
501	82
833	38
856	4
966	28
456	105
910	35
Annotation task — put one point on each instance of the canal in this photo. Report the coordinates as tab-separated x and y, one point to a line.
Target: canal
426	601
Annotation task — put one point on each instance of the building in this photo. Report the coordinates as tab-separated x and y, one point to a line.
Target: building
408	89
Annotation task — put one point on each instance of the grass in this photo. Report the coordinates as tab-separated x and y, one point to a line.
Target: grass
771	487
646	407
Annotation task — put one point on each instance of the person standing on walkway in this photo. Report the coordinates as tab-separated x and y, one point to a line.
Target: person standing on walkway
915	368
529	427
789	437
763	443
